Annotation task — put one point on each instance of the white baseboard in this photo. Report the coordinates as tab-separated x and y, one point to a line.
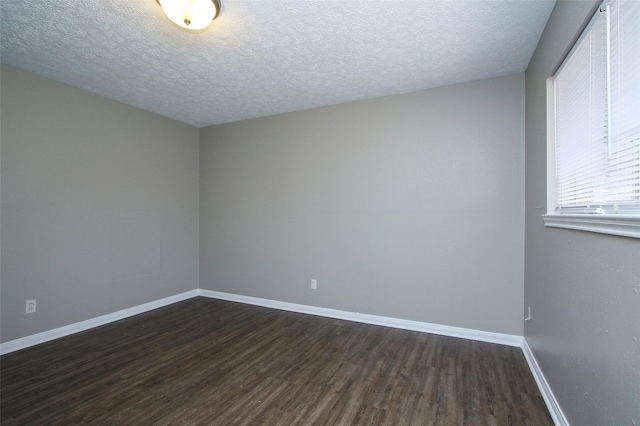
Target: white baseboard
45	336
552	404
464	333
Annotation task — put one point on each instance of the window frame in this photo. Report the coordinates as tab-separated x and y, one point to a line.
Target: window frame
627	225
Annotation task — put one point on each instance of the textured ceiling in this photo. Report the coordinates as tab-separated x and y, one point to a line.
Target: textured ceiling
263	57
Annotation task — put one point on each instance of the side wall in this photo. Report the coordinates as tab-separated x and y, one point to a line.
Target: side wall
99	205
408	206
583	288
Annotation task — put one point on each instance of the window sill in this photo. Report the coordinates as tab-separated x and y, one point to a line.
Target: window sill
623	225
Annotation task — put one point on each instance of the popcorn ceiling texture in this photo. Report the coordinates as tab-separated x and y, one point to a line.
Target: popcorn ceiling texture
262	57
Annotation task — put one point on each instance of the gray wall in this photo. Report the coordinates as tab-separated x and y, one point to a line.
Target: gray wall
408	206
99	205
583	288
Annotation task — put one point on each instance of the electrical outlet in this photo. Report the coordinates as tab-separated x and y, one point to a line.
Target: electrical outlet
314	284
31	306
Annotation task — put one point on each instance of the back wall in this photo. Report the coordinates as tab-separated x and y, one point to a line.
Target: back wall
409	206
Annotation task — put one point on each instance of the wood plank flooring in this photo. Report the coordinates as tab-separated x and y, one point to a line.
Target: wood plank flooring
212	362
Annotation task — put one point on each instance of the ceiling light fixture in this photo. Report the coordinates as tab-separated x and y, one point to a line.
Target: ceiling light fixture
191	14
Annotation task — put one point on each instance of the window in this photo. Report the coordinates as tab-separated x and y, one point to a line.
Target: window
594	156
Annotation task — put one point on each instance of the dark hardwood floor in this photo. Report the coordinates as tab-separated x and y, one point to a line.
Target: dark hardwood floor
212	362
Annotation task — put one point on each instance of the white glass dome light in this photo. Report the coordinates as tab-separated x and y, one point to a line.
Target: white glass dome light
191	14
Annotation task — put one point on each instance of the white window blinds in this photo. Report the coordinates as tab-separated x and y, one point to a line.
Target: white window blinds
597	116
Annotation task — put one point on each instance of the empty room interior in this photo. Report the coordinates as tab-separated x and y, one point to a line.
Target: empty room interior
311	212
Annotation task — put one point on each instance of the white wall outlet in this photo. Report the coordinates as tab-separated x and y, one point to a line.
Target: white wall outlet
31	306
314	284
